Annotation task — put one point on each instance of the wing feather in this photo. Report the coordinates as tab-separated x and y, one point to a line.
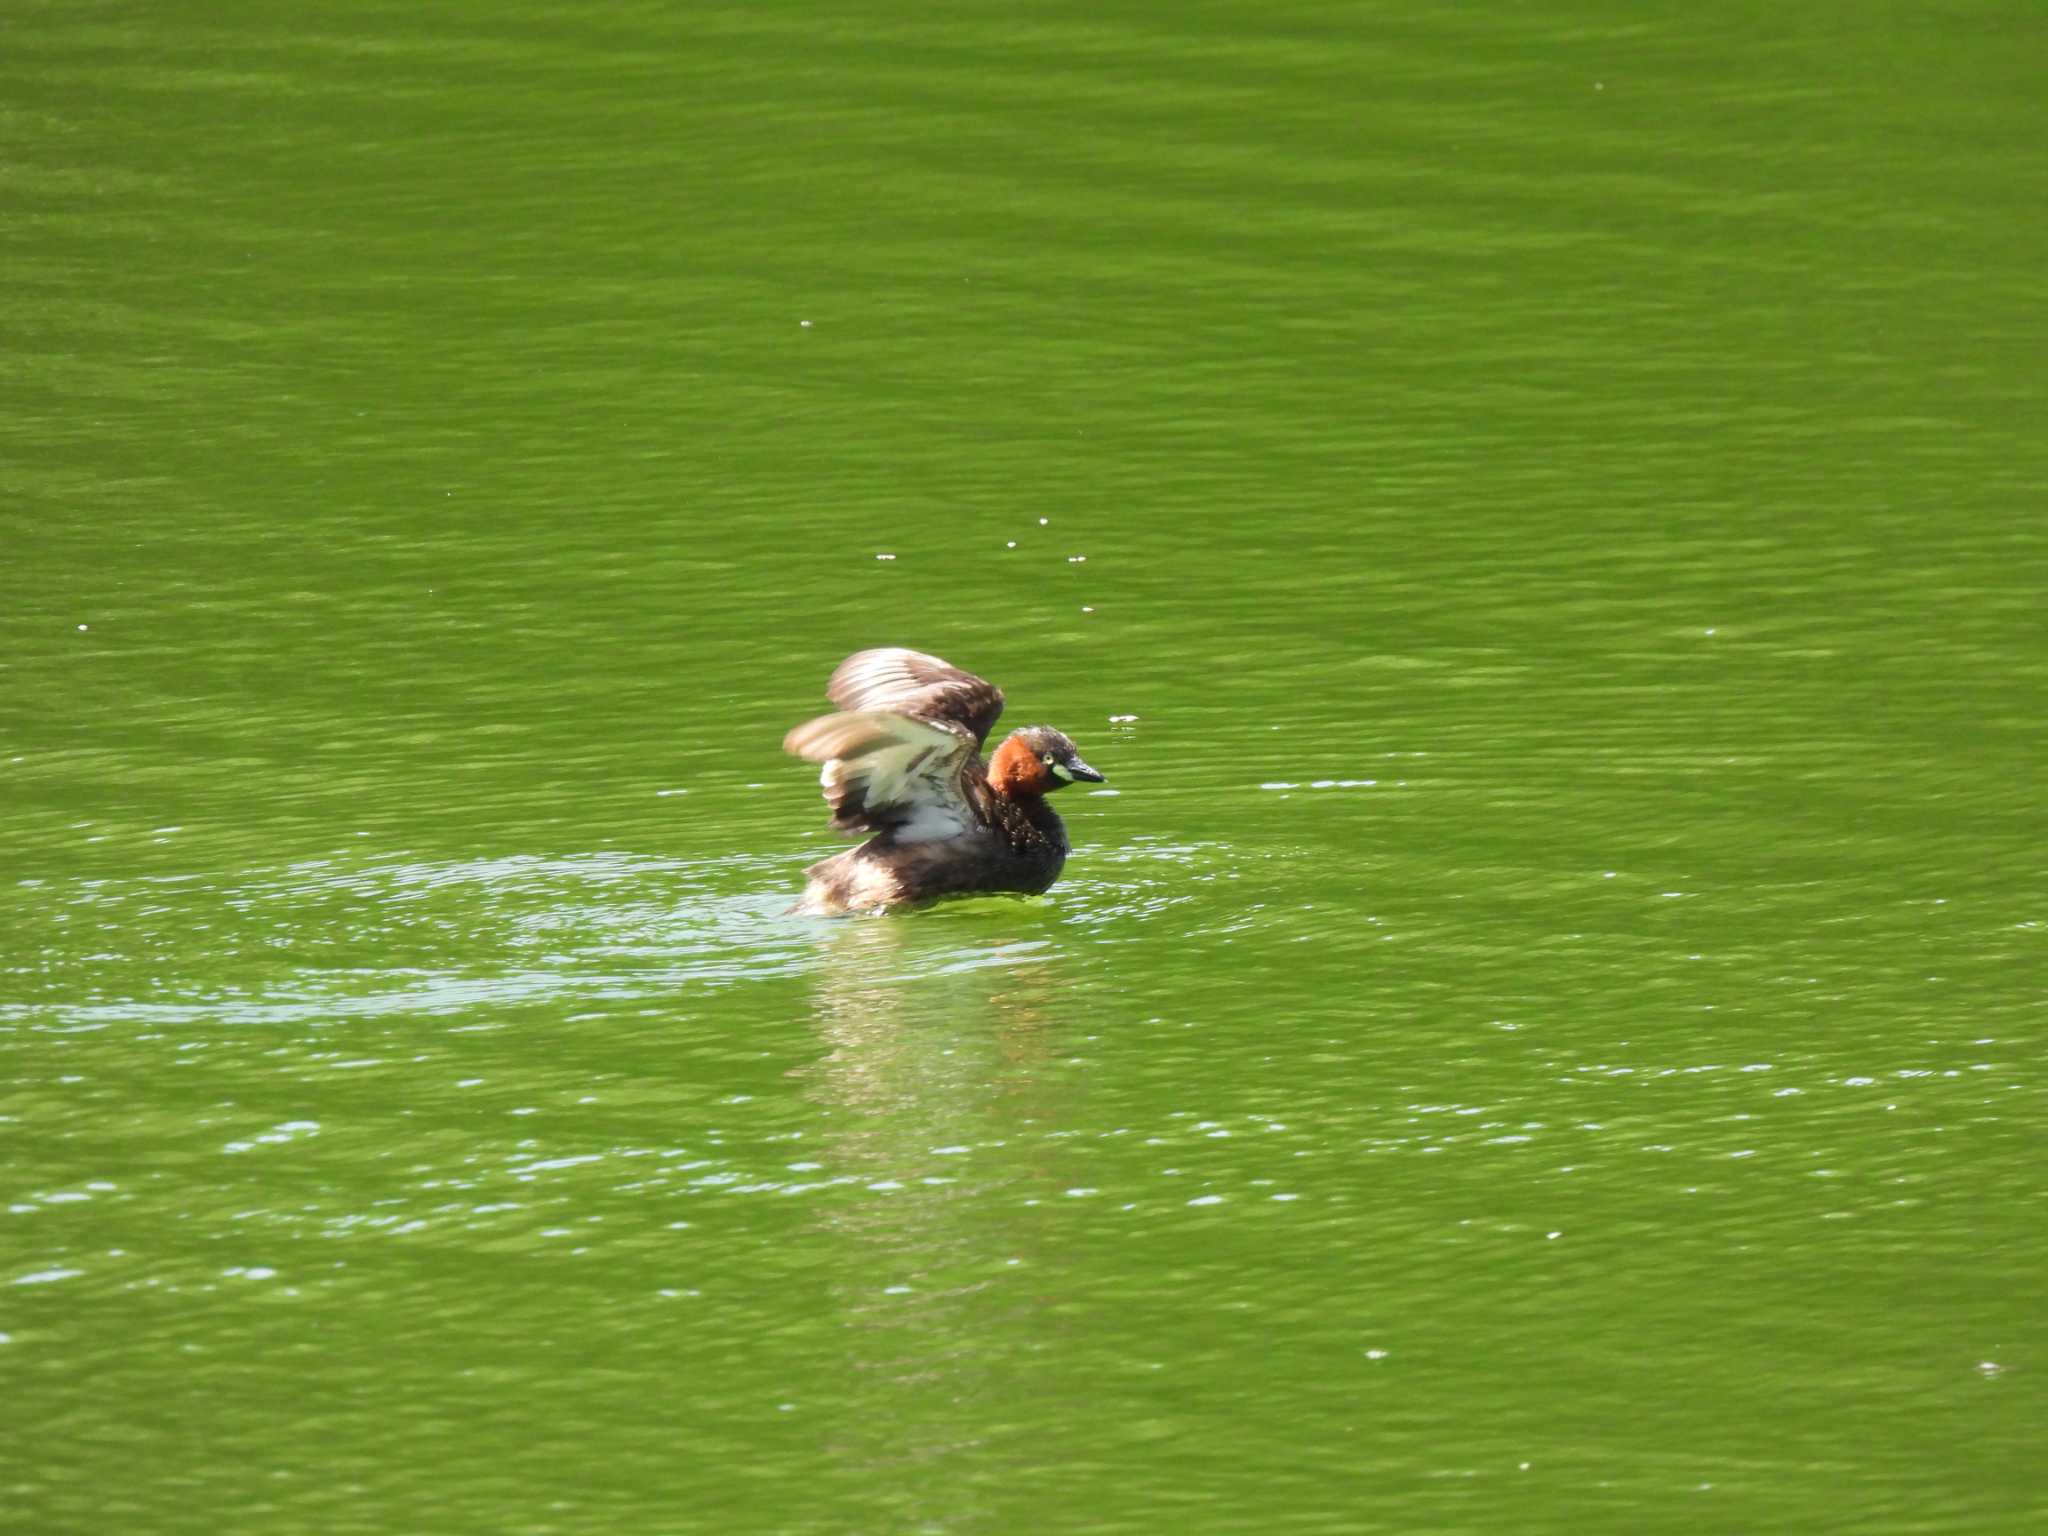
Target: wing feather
895	681
906	725
888	772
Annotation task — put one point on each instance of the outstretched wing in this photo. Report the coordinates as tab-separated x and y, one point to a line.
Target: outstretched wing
892	756
894	681
887	772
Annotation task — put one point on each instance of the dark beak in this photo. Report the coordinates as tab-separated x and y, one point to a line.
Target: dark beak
1082	771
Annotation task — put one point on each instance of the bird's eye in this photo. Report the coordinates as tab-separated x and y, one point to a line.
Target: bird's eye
1048	759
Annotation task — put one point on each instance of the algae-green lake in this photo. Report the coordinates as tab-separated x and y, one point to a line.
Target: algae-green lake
1537	511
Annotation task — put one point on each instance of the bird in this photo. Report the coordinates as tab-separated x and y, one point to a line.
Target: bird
901	760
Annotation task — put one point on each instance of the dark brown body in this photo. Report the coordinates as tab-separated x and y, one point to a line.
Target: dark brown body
1018	844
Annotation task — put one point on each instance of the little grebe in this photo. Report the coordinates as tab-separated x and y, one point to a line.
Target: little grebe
902	760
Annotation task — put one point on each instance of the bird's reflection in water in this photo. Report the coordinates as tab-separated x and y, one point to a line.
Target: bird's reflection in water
945	1077
913	1014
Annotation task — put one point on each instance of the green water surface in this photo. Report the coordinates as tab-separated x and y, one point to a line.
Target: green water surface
1537	510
